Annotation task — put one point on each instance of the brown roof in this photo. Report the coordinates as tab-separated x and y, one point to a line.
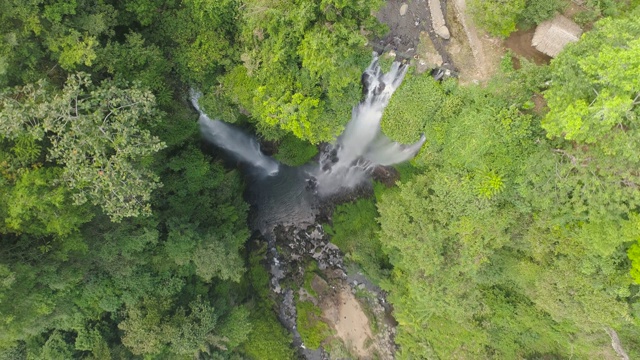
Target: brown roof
552	35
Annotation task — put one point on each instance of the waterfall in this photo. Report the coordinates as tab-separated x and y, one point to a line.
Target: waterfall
291	195
362	146
238	144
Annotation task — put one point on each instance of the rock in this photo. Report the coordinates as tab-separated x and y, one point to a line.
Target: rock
443	32
361	286
437	19
403	9
435	59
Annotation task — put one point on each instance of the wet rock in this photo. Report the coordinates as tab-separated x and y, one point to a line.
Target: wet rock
287	313
403	9
332	247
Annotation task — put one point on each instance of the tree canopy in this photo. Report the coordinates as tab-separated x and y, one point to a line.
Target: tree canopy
515	232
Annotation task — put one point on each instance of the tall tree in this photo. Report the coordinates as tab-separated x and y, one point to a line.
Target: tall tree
94	133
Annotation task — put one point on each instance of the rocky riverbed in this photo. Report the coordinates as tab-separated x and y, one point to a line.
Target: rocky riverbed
306	266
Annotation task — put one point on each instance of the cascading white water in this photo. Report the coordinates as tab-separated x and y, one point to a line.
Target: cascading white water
291	195
239	145
362	146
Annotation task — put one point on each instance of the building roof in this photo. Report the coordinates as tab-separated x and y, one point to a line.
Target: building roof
553	35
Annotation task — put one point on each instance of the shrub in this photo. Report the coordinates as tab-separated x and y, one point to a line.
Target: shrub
294	151
311	328
498	17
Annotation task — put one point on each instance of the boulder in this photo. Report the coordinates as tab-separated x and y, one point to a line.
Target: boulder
403	9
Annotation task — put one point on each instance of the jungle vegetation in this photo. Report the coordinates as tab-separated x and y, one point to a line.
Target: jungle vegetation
515	233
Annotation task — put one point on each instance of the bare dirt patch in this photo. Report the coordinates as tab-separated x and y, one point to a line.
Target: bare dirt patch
485	51
345	314
540	104
520	43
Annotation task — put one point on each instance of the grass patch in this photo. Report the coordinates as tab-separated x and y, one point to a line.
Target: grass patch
309	273
312	329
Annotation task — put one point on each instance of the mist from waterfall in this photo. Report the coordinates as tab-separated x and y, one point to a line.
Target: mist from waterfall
362	146
283	194
237	143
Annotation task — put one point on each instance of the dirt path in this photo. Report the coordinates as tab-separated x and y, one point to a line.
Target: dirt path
345	314
486	51
520	43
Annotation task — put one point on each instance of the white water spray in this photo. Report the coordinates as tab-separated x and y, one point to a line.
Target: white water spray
359	149
239	145
362	146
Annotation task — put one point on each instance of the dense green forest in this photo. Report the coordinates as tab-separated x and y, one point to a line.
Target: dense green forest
515	233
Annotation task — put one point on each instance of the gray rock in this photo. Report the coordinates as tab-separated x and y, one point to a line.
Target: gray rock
438	20
443	32
403	9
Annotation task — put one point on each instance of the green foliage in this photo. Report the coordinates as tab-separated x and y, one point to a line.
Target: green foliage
354	231
95	134
151	326
268	340
634	256
81	158
56	348
73	49
493	213
310	272
237	327
310	325
593	94
498	17
204	32
94	118
536	12
219	106
36	206
293	151
304	60
583	18
414	104
608	7
139	60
